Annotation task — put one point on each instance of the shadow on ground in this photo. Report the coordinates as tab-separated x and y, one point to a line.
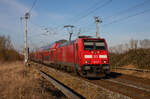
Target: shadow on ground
111	75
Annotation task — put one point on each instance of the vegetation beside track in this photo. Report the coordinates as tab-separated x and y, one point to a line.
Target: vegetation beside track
135	53
7	52
138	57
20	82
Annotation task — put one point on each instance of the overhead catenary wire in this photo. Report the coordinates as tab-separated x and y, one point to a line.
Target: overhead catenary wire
34	3
127	17
60	28
80	14
128	9
123	11
92	11
118	20
87	10
50	30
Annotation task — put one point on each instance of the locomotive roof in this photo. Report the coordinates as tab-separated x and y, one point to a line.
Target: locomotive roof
84	36
92	38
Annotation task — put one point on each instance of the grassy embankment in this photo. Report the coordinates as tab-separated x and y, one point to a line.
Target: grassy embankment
20	82
140	58
7	52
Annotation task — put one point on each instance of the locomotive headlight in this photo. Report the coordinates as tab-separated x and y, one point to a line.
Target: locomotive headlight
88	56
104	61
87	61
102	56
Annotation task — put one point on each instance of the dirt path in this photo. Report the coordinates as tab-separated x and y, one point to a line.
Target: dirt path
20	82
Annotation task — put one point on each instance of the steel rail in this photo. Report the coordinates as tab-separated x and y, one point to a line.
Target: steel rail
130	85
125	92
132	69
66	90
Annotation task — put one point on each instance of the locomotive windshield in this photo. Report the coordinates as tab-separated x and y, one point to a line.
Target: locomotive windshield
94	44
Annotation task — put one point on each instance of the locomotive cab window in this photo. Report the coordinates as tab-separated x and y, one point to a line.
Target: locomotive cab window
100	45
94	44
88	45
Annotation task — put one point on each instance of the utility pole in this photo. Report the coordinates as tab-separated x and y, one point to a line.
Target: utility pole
79	32
97	20
26	50
70	31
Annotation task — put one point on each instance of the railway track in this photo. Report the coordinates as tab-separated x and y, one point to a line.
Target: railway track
66	90
129	86
132	90
132	69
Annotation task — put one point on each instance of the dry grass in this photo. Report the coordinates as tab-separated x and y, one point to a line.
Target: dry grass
83	87
20	82
7	51
140	58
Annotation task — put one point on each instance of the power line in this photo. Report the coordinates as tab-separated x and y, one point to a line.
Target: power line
93	10
86	10
127	17
128	9
45	33
79	14
35	1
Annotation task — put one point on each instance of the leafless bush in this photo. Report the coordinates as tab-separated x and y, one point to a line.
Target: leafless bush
132	44
136	52
7	52
144	43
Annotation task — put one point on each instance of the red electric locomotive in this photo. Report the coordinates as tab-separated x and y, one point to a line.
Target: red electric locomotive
88	56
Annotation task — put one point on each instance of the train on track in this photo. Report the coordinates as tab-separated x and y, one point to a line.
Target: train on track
87	56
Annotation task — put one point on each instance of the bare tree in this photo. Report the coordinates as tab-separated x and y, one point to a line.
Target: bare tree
133	44
145	43
126	46
120	48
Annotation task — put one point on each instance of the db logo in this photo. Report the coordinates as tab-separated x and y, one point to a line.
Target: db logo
95	56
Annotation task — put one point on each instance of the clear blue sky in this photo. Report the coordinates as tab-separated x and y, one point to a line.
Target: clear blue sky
54	14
